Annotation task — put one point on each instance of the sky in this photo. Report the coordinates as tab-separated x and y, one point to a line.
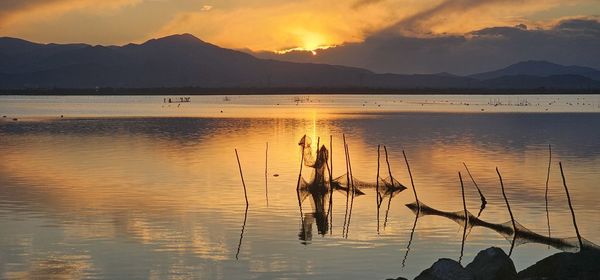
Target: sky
274	25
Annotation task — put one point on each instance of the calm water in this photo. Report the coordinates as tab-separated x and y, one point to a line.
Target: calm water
131	187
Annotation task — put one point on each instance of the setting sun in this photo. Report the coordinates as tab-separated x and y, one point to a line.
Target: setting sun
311	42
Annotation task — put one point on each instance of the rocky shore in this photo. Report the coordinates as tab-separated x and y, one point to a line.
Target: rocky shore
493	264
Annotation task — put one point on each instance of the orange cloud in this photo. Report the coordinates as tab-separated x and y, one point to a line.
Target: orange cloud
18	13
306	24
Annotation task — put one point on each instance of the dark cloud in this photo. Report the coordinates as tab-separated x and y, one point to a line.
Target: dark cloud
569	42
414	22
8	6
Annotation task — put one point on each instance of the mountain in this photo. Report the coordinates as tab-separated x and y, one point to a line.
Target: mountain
539	69
174	61
563	82
184	61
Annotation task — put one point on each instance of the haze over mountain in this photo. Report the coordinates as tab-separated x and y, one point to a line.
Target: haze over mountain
186	61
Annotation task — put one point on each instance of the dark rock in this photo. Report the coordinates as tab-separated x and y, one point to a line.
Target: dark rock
492	264
399	278
565	266
445	269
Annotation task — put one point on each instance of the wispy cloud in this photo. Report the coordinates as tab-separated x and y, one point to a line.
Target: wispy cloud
363	3
18	12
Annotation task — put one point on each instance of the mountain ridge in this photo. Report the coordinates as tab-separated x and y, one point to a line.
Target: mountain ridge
183	60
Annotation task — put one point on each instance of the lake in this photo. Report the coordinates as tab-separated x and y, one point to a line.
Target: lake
124	187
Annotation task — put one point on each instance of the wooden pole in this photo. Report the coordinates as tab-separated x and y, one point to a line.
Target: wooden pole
266	174
241	175
392	181
483	201
547	182
412	183
512	218
388	165
347	185
562	174
301	164
330	184
377	203
462	188
353	191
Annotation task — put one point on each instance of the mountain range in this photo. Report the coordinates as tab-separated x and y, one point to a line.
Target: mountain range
180	61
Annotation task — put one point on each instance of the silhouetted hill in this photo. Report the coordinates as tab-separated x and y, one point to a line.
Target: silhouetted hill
565	82
184	61
540	69
174	61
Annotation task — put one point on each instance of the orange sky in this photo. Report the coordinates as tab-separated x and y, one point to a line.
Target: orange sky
270	24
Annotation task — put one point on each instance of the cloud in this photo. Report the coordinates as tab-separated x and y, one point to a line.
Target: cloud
452	16
19	13
569	42
363	3
279	26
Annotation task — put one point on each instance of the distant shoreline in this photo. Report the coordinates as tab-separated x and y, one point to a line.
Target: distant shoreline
285	91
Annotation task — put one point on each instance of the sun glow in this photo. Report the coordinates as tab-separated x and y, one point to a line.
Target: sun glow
311	42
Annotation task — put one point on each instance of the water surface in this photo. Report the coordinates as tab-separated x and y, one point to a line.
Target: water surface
131	187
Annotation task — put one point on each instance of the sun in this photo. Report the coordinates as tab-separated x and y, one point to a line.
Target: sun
309	42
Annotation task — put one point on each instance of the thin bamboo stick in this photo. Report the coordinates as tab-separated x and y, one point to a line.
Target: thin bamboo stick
412	183
512	218
462	188
347	186
301	164
330	184
242	176
483	200
377	187
353	191
547	182
562	174
388	165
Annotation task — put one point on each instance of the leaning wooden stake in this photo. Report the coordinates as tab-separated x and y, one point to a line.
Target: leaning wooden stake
483	201
241	175
330	184
412	183
462	247
301	164
512	218
571	207
377	188
388	165
353	191
347	186
266	174
547	181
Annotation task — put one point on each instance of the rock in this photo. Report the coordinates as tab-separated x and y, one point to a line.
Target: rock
399	278
565	266
492	264
445	269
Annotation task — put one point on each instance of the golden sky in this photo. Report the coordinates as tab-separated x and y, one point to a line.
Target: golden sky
270	24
